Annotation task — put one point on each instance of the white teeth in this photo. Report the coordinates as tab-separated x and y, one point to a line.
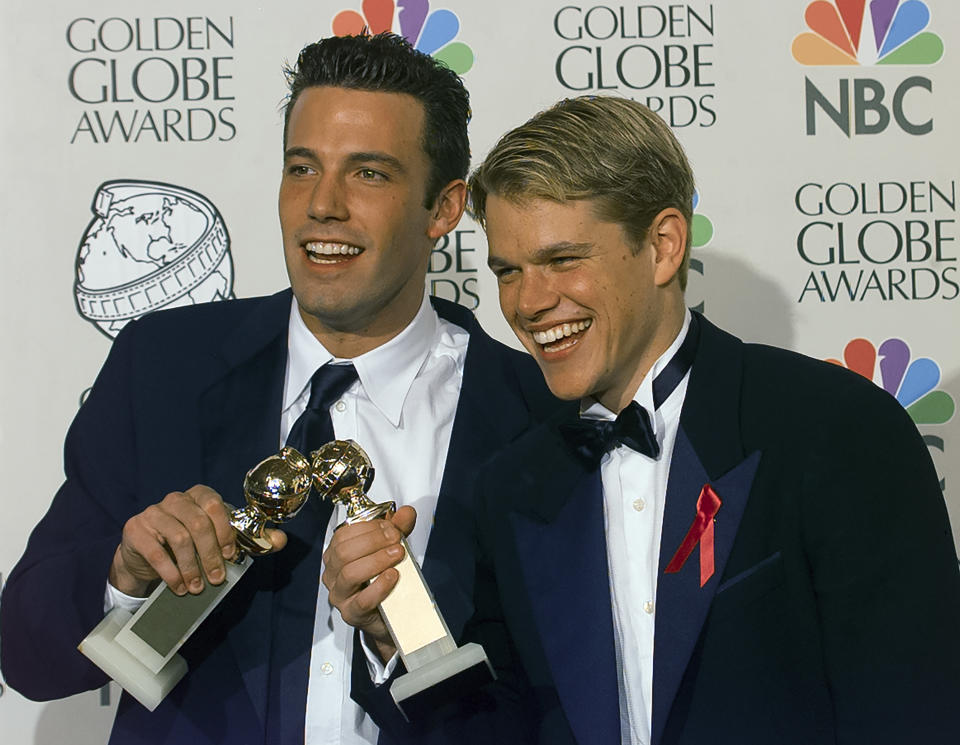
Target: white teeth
560	331
318	248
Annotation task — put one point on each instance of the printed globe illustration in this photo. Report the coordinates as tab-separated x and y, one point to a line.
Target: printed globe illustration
150	246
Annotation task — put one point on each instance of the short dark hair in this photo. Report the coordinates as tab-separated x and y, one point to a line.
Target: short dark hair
387	62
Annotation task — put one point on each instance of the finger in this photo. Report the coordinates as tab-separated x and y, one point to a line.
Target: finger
369	538
218	512
354	576
150	536
405	519
361	608
142	558
276	537
345	532
201	542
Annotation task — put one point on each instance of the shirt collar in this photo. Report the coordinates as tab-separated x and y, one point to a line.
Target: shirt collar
590	408
386	373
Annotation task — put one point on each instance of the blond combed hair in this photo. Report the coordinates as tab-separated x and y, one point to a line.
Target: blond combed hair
613	151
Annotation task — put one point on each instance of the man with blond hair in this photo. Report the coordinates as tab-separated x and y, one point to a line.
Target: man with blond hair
732	543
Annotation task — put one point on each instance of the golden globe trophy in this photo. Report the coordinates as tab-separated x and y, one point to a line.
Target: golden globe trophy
139	650
437	670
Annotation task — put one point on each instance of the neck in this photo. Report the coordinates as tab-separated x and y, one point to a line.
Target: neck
347	343
616	400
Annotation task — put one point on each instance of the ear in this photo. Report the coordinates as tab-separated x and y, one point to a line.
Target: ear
668	235
447	209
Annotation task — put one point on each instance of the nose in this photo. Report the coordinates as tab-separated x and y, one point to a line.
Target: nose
328	200
535	294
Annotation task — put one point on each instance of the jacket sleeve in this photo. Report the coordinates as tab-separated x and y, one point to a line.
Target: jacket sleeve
54	595
885	577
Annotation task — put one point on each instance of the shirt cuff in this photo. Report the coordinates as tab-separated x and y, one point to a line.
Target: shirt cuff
379	673
113	598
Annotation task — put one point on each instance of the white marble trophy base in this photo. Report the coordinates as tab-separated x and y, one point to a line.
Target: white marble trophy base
139	651
437	670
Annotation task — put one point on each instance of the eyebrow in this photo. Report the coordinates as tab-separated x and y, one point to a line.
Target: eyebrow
358	158
544	254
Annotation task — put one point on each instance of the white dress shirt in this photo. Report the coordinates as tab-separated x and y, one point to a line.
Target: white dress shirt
401	411
634	492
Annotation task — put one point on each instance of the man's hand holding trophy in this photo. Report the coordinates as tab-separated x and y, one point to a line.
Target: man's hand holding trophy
139	650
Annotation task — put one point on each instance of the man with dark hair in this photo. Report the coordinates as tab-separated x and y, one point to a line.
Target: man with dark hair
375	155
732	543
384	63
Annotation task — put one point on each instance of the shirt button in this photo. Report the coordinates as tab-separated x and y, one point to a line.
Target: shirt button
639	504
648	607
341	406
326	668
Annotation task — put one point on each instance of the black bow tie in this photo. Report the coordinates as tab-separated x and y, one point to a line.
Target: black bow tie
591	438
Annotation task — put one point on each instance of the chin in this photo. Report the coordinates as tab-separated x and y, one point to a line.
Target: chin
565	389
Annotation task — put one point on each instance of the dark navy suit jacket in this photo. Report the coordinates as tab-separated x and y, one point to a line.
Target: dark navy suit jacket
194	396
833	615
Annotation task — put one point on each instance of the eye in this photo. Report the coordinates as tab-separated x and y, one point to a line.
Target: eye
299	169
564	262
369	174
505	274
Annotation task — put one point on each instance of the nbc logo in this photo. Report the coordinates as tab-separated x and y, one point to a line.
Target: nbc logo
431	33
701	228
892	33
913	383
701	233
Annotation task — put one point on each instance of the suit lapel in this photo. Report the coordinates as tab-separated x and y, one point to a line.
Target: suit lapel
240	423
490	412
560	540
708	450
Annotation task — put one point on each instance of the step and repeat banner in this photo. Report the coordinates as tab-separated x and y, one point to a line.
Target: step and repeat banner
141	154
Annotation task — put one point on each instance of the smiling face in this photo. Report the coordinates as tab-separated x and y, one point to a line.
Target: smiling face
356	236
594	314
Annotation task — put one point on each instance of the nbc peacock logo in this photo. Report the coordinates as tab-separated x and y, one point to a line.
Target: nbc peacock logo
701	227
701	233
843	32
429	32
912	381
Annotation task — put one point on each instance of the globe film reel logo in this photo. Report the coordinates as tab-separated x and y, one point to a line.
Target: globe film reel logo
150	246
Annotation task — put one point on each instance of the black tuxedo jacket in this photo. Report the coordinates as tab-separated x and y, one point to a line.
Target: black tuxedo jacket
194	396
833	615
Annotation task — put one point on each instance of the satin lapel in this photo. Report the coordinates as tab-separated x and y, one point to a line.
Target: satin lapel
561	542
490	412
682	604
708	450
240	416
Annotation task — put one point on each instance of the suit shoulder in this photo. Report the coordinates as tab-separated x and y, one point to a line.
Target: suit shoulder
200	317
817	396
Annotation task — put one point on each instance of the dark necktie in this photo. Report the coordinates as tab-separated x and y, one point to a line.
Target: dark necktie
591	438
297	569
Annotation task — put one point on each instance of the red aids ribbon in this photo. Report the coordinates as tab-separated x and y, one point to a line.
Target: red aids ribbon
708	504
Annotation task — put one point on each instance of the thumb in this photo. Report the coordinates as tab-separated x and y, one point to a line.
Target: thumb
405	519
277	537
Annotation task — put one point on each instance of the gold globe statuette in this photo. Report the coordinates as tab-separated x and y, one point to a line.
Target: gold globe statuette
343	473
139	650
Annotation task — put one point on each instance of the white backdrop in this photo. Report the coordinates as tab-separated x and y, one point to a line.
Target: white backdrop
823	143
